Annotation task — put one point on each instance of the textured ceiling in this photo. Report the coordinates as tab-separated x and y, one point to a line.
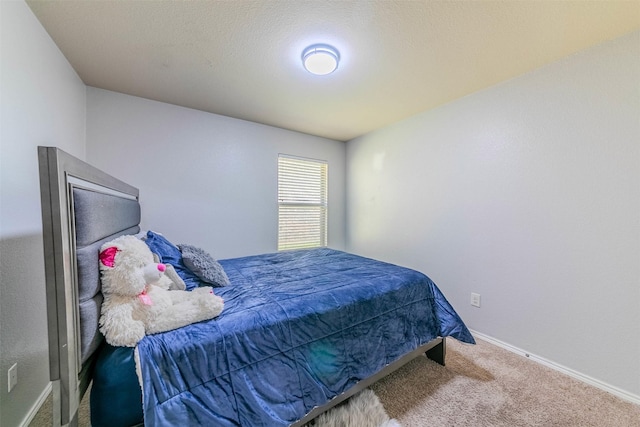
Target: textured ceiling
242	58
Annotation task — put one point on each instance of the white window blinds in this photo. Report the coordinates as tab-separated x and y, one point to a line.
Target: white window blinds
302	203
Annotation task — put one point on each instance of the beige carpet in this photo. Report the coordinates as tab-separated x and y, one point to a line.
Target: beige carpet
482	385
485	385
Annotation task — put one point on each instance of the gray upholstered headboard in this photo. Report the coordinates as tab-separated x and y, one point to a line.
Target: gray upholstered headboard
98	219
82	208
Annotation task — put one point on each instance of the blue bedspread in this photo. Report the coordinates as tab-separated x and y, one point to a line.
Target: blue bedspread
298	328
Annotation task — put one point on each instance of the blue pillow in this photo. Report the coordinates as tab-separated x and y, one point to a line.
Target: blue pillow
170	254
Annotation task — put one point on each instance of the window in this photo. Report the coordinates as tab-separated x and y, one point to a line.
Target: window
302	203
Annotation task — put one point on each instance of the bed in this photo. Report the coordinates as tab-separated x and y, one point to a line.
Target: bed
301	331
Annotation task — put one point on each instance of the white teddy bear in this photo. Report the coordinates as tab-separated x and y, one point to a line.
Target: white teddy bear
136	296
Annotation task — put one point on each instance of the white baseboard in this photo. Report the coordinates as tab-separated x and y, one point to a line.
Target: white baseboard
36	406
630	397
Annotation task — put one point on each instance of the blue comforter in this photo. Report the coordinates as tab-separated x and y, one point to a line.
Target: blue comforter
298	328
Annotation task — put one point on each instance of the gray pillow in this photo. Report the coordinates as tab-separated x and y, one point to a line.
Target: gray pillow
203	265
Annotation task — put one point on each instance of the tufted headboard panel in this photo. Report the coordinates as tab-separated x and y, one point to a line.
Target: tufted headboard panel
98	218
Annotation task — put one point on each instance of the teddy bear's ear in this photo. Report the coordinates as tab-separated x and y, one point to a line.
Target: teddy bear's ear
108	256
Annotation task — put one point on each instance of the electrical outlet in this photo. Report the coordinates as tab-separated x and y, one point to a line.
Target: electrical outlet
12	375
475	299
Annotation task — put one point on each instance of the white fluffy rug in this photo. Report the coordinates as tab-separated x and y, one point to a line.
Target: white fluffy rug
362	410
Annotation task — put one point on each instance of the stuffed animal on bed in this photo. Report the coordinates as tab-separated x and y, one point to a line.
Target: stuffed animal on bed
137	299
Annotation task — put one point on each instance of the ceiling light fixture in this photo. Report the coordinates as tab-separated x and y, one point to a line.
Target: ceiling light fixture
320	59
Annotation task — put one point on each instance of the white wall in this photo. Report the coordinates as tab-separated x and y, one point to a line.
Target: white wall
529	194
42	103
205	179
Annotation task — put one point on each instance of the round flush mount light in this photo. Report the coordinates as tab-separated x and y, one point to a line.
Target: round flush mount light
320	59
